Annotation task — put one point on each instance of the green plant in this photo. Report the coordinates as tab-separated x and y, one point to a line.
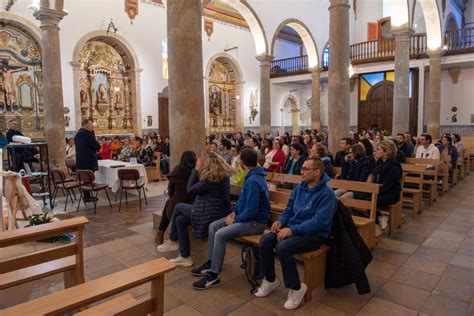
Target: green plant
39	219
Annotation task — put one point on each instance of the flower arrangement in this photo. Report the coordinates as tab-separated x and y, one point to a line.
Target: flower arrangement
39	219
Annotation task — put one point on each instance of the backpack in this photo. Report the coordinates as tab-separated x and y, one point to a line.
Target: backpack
251	264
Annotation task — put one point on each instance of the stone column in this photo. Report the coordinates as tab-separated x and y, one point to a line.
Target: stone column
265	101
401	100
338	81
295	119
185	84
434	93
315	98
52	83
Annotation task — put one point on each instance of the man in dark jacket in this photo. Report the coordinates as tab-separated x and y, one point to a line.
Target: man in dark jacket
345	144
406	147
86	149
249	217
304	226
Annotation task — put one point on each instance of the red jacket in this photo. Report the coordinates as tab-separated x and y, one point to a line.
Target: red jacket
104	151
279	157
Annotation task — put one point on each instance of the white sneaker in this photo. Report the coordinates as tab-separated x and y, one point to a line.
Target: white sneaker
168	245
266	288
383	221
182	262
295	297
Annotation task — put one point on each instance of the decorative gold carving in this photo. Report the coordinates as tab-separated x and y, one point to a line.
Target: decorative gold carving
131	8
208	27
454	72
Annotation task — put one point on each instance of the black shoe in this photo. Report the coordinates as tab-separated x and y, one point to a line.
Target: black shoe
207	282
202	270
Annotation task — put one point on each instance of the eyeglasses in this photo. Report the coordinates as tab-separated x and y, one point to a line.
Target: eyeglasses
307	169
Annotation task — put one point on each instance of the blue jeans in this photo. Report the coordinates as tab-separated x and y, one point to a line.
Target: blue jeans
285	249
220	234
179	227
165	166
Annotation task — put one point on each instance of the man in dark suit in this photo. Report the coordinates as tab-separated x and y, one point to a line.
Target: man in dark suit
86	149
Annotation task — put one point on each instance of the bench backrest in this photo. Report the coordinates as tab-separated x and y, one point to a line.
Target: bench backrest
431	165
413	175
337	171
90	292
283	177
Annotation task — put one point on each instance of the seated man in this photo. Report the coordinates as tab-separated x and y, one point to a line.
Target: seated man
304	226
249	217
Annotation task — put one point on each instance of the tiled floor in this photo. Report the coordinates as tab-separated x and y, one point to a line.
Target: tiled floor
426	268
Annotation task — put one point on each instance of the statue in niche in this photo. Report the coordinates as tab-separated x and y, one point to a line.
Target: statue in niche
215	102
83	96
7	83
102	93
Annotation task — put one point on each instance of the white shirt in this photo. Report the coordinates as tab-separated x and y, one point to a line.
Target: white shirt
428	153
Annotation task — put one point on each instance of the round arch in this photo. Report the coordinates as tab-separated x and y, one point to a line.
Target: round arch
306	36
133	73
294	110
255	25
239	85
21	23
451	24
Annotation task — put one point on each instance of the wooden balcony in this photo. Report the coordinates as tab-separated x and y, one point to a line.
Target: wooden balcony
456	42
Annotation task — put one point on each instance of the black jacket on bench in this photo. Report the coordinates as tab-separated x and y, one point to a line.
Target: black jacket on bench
348	256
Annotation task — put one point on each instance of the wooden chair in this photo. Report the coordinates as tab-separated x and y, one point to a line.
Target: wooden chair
412	187
66	185
131	175
71	166
87	183
466	162
395	216
80	296
337	171
63	258
153	172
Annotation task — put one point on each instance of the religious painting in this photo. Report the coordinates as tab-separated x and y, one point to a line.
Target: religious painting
21	80
104	87
131	8
222	96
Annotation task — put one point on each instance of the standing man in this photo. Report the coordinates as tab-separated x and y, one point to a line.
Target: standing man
303	226
21	155
86	150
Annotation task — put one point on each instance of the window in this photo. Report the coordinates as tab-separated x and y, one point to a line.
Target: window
325	63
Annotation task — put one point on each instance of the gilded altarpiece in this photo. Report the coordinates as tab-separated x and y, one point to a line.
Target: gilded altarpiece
104	85
222	96
21	81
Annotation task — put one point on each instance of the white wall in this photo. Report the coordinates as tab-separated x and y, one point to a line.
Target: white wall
367	11
460	95
284	49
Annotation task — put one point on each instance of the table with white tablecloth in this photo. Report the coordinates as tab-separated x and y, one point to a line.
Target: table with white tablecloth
108	173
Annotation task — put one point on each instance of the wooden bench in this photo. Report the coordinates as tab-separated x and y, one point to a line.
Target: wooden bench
82	295
466	162
395	216
412	187
153	172
64	258
430	182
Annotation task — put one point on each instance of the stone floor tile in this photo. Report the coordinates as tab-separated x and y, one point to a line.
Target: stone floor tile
459	273
466	249
344	298
250	309
442	244
22	293
92	252
409	238
425	265
455	288
414	278
171	301
423	224
434	254
216	301
390	256
99	263
106	271
453	228
431	218
128	254
442	306
316	308
469	240
133	262
113	246
274	301
463	261
182	288
137	239
448	236
398	246
377	306
183	310
381	269
403	294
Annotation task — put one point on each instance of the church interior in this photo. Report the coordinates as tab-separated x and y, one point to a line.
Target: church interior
131	129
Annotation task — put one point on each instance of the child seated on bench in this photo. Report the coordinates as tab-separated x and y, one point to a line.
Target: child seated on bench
303	226
249	217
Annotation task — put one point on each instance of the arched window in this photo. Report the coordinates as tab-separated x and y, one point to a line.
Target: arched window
325	62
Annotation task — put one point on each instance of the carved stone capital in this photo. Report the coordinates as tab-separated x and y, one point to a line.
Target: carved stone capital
264	59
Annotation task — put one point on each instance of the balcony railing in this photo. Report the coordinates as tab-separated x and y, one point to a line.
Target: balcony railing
456	42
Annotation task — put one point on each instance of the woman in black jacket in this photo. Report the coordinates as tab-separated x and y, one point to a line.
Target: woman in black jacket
210	182
177	191
357	167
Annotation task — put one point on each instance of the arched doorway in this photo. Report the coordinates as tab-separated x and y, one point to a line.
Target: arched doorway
290	114
106	84
378	109
224	88
21	75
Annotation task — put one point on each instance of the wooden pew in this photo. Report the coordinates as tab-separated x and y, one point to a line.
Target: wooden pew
153	172
466	162
412	187
430	183
64	258
79	296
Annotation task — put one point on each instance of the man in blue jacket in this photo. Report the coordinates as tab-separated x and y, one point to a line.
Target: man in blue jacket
249	217
303	226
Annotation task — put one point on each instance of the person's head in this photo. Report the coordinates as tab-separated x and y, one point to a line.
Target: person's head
252	141
408	137
446	140
318	150
71	141
369	150
457	137
296	150
277	144
138	141
377	138
213	147
345	143
167	140
115	140
226	144
14	124
159	140
187	161
425	140
312	171
248	158
208	140
400	138
87	124
358	151
386	150
126	141
234	151
103	140
214	168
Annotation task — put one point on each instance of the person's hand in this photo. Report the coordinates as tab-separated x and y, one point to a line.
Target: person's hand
198	164
275	227
229	220
284	233
348	157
